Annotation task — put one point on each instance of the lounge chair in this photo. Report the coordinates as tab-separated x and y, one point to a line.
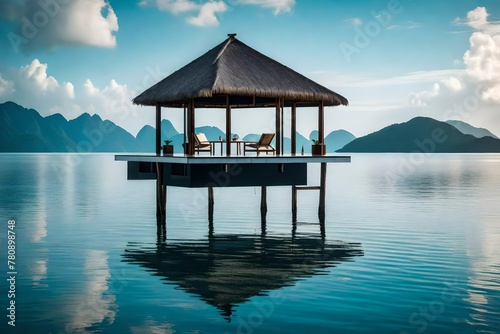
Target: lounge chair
201	143
263	145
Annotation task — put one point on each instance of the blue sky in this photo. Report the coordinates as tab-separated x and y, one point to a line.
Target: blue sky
393	60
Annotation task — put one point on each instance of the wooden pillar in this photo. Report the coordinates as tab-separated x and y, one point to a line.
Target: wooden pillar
228	127
321	123
191	126
294	204
161	202
322	194
263	203
211	204
278	126
282	127
185	130
158	128
293	134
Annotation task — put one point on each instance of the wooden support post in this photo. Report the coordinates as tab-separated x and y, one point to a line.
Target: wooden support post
294	204
321	123
282	127
211	204
263	204
322	194
158	128
228	126
184	146
278	126
191	127
161	203
293	134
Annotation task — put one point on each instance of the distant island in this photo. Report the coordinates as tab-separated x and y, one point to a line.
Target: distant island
427	135
25	130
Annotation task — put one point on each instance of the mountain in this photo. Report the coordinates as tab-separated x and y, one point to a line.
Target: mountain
335	140
422	134
471	130
24	130
147	135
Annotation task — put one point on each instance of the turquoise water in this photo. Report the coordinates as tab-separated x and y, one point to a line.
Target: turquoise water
412	245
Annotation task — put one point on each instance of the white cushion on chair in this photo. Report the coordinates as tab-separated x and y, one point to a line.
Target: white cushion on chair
201	137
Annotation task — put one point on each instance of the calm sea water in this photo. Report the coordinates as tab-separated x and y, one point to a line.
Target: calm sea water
412	245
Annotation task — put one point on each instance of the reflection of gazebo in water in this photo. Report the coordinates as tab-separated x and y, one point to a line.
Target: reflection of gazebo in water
233	75
228	270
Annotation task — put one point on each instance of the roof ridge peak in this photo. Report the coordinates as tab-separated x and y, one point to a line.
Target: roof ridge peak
228	41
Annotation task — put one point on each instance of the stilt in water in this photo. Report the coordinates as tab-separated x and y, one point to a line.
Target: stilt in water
210	205
322	194
161	203
294	204
263	204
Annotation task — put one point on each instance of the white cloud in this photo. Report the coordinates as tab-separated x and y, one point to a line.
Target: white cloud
356	21
32	87
405	25
472	94
278	6
172	6
207	10
420	99
47	24
5	86
477	18
206	16
453	84
483	57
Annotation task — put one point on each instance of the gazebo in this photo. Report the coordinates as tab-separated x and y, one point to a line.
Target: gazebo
234	75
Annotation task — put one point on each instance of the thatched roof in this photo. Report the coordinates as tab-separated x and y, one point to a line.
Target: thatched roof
246	75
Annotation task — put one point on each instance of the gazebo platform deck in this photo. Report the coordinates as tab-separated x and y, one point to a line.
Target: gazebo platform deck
193	171
235	159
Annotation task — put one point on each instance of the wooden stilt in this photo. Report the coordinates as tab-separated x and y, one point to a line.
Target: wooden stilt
263	204
294	204
322	194
161	203
210	204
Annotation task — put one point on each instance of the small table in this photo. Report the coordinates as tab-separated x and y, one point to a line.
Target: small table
221	142
213	142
